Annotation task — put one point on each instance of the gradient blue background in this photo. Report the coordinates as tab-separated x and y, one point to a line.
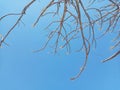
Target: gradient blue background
20	69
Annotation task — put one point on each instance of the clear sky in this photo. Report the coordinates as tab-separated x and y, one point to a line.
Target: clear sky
21	69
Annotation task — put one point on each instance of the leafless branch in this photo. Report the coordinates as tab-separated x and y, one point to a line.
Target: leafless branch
81	23
18	20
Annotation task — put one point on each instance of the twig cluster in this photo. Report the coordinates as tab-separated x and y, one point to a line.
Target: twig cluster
76	16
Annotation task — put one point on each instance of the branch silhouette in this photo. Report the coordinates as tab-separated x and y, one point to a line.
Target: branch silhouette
77	16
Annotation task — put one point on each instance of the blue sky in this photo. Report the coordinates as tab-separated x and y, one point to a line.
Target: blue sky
21	69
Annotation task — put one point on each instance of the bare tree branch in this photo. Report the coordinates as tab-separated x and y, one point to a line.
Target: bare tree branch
76	16
18	20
